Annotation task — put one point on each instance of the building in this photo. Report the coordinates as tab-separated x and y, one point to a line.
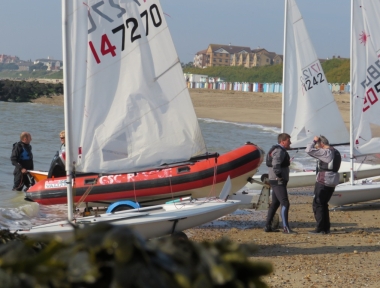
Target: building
24	65
200	59
53	65
8	59
229	55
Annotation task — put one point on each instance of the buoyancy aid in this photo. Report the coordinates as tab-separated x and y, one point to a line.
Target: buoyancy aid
333	165
269	158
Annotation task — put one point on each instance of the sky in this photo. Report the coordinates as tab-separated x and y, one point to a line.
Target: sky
31	29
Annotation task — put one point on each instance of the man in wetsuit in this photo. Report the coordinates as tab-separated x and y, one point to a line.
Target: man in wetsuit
278	161
22	159
329	160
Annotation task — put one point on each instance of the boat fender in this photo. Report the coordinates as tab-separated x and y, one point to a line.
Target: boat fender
118	204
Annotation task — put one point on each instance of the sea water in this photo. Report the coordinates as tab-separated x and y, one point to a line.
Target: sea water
44	122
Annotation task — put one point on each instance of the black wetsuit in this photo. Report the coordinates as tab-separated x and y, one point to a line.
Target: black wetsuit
21	157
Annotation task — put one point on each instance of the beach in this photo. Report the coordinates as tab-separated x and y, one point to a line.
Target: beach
236	106
348	257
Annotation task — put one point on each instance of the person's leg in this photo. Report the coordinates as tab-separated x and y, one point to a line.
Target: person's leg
17	180
325	198
272	209
282	195
318	204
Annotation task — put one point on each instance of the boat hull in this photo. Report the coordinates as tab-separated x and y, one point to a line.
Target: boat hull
151	222
155	186
361	191
303	179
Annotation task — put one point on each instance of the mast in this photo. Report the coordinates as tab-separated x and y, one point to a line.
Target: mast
67	107
351	98
283	68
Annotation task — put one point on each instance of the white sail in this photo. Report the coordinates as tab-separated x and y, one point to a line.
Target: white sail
309	107
365	79
129	106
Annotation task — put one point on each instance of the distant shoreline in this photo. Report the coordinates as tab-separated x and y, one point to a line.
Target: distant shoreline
235	106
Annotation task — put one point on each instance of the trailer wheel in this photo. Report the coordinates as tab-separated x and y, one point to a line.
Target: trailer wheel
264	178
180	236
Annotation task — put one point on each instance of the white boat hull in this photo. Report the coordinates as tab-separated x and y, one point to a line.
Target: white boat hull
150	222
302	179
361	191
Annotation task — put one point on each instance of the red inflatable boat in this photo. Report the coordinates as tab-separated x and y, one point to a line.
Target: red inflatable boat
197	179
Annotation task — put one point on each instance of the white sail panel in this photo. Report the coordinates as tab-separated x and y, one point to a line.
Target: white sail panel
130	107
366	77
309	107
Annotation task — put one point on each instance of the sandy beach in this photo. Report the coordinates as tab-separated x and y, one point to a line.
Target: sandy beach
348	257
236	106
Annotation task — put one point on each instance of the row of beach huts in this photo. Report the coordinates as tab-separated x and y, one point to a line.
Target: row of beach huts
257	87
214	83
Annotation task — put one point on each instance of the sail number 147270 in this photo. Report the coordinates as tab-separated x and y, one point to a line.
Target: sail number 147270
130	28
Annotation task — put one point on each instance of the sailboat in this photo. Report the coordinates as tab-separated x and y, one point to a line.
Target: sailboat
365	104
308	106
133	129
126	108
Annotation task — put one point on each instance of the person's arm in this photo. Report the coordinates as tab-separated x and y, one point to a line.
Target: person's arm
278	156
15	156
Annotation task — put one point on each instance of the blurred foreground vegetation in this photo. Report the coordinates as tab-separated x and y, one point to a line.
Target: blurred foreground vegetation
109	256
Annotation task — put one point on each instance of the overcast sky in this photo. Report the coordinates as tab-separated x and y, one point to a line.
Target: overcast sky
31	29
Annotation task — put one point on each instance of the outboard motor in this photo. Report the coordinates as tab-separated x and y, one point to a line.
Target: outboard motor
57	166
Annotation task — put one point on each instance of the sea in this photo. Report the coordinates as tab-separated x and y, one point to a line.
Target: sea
44	122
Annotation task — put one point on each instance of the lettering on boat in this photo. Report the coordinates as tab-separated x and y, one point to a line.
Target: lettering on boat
55	184
130	177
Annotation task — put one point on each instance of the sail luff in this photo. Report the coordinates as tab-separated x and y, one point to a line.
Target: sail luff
284	66
67	106
351	98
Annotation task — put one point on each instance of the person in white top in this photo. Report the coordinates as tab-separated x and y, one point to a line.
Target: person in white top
329	160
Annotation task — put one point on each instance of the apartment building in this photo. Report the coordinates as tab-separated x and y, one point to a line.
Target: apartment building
229	55
8	59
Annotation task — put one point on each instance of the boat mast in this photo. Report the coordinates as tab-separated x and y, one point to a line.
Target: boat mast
67	107
283	68
351	99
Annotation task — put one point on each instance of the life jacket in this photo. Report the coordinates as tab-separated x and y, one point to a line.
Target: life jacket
269	158
333	165
25	154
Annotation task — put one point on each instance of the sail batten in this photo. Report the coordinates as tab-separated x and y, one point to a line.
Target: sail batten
309	107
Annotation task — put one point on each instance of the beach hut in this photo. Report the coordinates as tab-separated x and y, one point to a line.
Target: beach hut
272	86
347	88
335	88
341	89
276	87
